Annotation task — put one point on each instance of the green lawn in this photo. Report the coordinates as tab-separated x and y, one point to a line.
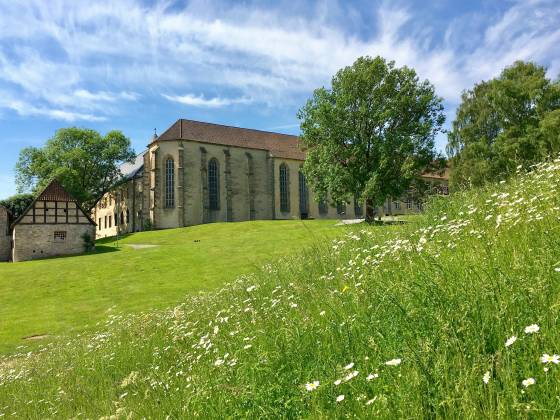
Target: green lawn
63	296
455	314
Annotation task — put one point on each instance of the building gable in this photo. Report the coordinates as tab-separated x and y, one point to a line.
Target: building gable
54	205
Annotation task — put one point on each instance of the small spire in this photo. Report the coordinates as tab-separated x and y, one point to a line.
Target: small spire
155	136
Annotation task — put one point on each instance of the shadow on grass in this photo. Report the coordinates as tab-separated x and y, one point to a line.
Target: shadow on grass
111	239
102	249
386	222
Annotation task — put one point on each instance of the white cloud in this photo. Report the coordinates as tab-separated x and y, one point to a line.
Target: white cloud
26	109
201	101
108	51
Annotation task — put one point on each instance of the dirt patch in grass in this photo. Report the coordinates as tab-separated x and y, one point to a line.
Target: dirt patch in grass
36	337
142	246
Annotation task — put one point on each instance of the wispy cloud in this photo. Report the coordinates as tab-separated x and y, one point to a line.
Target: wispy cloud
108	53
201	101
26	109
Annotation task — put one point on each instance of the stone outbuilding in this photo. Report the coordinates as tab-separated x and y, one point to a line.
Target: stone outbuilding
54	224
5	234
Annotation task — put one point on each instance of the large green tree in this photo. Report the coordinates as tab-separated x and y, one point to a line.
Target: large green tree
371	134
16	204
84	161
505	122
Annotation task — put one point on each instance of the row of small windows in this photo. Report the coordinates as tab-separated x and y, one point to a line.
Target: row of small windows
108	220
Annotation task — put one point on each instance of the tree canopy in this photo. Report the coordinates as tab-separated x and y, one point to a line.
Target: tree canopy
16	204
505	122
371	134
85	162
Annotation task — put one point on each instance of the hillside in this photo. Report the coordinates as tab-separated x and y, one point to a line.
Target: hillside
46	299
448	316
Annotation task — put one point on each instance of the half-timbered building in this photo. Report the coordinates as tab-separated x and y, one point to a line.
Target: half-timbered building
53	224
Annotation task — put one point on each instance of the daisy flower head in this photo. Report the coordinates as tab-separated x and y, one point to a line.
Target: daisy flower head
338	381
340	398
351	376
349	366
312	386
528	382
511	340
393	362
547	358
531	329
372	376
486	377
557	269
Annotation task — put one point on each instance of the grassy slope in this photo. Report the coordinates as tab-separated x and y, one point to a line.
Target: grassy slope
64	295
443	294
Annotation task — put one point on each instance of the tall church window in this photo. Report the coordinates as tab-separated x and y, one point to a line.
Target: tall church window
303	196
284	188
169	183
213	185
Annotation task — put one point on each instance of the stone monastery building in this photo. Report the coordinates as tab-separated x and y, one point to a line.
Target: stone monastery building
198	172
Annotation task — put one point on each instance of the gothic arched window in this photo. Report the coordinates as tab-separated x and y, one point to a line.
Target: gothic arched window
213	185
169	183
284	188
303	196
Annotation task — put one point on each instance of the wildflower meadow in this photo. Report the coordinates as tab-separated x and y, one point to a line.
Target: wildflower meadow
454	314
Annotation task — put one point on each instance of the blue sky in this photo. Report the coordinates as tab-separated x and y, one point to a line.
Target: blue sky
136	65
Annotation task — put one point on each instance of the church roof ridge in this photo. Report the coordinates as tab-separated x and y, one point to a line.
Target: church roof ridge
278	144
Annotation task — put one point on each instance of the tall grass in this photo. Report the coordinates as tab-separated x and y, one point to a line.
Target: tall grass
407	321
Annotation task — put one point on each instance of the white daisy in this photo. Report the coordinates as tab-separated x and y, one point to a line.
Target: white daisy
528	382
393	362
338	381
372	376
340	398
351	376
532	329
312	386
547	358
486	377
511	340
349	366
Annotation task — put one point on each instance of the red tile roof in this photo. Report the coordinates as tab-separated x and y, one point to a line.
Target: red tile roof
444	175
279	145
55	192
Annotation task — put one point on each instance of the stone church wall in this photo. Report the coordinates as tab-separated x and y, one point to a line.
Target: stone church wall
39	241
294	167
5	238
244	188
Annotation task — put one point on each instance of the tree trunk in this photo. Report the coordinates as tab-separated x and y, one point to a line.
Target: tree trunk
370	210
